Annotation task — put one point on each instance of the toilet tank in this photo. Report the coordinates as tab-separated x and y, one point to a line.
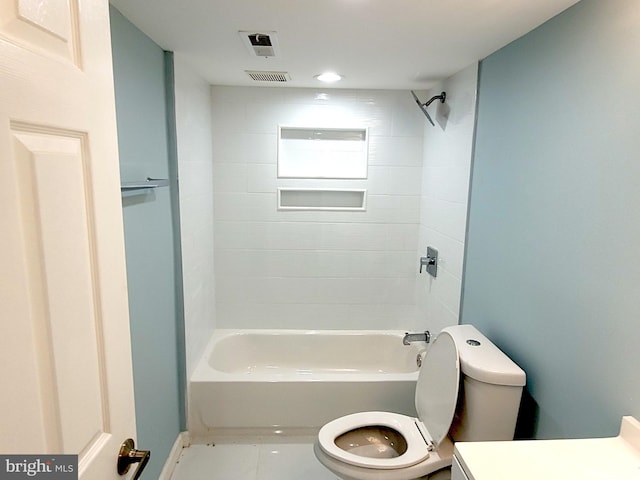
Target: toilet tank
490	391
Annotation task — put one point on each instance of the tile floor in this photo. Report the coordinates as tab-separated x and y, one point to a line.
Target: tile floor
281	461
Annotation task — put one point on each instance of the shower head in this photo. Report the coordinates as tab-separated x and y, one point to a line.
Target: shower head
423	106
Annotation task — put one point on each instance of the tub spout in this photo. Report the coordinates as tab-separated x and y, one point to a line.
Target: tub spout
416	337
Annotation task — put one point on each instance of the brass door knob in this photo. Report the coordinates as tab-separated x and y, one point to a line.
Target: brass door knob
128	455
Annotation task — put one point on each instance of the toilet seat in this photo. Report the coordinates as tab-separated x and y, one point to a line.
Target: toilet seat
436	399
417	448
437	460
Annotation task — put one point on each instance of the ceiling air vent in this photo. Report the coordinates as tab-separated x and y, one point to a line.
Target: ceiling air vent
260	44
268	76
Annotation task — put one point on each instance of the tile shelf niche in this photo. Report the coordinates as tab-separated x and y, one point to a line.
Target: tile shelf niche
322	199
309	152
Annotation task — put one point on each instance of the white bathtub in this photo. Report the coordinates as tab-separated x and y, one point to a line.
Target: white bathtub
288	380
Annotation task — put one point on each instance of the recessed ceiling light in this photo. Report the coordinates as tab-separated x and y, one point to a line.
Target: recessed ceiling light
329	77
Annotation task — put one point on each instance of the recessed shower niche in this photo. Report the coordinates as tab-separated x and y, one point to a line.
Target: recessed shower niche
322	154
309	152
322	199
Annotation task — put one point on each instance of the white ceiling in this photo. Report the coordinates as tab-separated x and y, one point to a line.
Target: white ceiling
386	44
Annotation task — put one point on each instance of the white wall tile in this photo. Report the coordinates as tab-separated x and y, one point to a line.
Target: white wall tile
282	315
230	177
407	118
194	131
385	180
312	96
268	259
317	316
445	186
393	208
228	117
245	148
315	263
306	290
318	236
450	250
445	217
378	117
307	269
261	178
448	183
436	317
395	151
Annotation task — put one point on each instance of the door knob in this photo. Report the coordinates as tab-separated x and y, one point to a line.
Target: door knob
128	455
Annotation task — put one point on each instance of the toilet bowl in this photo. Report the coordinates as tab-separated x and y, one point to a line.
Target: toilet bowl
392	446
436	461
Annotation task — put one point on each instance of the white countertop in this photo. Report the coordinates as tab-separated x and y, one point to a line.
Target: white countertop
614	458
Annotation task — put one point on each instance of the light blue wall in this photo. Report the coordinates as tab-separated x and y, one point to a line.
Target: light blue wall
145	144
553	253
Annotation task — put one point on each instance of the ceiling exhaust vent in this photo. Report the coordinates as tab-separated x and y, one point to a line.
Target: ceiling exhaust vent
260	44
268	76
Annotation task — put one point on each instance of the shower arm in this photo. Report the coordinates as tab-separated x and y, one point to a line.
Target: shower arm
442	97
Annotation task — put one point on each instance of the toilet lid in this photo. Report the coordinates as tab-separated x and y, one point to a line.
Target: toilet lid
437	387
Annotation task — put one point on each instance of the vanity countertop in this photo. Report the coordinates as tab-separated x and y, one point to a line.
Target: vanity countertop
612	458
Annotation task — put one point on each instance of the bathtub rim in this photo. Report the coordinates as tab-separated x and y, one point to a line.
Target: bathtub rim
204	372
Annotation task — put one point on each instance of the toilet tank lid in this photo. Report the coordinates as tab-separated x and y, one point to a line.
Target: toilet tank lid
482	360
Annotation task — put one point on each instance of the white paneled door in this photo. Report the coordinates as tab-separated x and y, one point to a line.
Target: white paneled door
65	354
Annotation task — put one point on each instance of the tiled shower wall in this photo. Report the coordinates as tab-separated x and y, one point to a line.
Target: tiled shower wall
306	269
193	130
445	189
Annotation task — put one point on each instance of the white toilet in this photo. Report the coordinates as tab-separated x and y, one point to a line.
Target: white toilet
391	446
